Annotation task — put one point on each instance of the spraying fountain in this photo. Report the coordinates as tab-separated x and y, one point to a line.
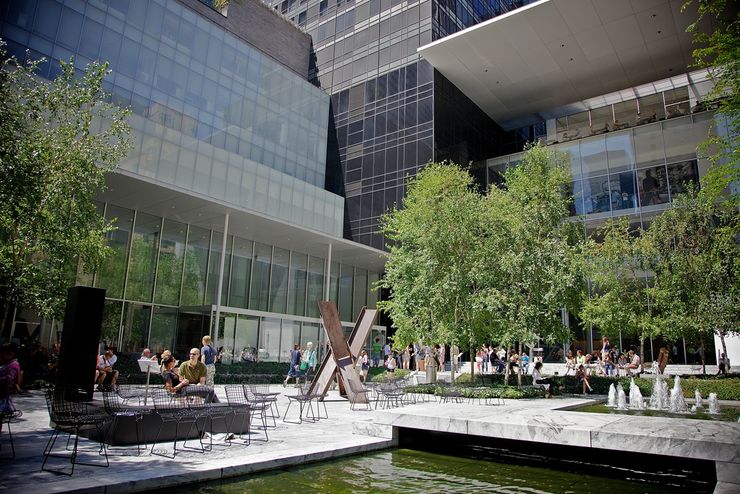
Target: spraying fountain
612	401
621	398
697	398
678	403
636	402
713	404
659	397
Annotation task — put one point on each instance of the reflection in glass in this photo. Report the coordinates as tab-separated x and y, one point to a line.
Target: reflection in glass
576	192
360	292
112	273
315	285
680	143
111	322
164	325
241	268
171	257
334	283
345	293
653	186
297	288
245	342
620	152
269	348
279	280
680	174
623	191
214	267
196	266
135	326
372	293
290	335
596	195
260	288
593	156
649	145
144	244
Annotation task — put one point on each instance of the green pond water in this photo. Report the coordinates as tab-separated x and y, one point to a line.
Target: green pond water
407	471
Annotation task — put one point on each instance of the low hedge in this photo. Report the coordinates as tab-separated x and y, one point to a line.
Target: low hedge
508	392
379	375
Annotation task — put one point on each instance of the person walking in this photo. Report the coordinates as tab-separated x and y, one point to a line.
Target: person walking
208	356
309	357
295	363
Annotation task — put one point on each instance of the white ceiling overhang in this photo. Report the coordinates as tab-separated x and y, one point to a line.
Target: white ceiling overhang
555	52
132	191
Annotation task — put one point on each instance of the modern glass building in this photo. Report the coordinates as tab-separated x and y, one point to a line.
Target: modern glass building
223	219
391	111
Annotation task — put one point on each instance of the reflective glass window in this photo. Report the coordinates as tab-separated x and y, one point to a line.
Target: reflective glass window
619	151
47	18
164	326
241	270
297	288
260	289
315	285
112	273
593	156
291	334
346	277
680	143
245	339
649	145
279	280
214	267
135	327
359	296
653	186
623	191
196	266
372	293
111	322
334	283
144	244
596	195
576	191
171	260
680	174
269	347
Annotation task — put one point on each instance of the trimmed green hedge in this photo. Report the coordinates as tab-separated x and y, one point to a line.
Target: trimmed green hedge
381	376
509	392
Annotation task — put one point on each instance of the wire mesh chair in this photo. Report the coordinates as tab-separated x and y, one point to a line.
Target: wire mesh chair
262	392
117	408
8	413
261	402
72	417
304	399
358	391
238	400
176	410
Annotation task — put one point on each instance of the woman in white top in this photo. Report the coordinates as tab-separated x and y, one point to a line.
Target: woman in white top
538	380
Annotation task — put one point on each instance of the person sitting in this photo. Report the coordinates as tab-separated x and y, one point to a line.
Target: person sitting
580	358
570	363
608	364
171	377
524	363
106	376
583	379
723	363
147	354
634	367
390	366
193	373
538	380
662	361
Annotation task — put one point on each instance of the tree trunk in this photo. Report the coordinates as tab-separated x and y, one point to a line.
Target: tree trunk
642	351
472	364
452	365
5	311
725	361
702	356
507	367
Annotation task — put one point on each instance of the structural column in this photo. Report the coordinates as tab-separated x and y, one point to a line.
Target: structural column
219	289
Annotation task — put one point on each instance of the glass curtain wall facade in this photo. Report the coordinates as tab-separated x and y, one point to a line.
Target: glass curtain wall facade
161	284
392	113
631	173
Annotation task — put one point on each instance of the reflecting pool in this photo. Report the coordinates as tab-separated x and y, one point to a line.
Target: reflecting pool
406	471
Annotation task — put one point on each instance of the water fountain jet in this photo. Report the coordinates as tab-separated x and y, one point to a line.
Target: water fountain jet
612	401
678	403
636	402
621	398
713	403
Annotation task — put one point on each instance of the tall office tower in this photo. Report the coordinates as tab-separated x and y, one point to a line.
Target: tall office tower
391	112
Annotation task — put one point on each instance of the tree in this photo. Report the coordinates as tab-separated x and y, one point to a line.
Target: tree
621	299
530	257
433	258
58	139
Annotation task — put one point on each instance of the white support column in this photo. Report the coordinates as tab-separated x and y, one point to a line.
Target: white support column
327	281
219	289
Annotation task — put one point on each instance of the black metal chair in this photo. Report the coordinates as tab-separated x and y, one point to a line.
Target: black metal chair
357	392
262	392
304	399
174	409
117	408
261	402
72	417
6	417
238	400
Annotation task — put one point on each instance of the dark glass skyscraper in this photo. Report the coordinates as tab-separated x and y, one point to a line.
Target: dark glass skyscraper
391	111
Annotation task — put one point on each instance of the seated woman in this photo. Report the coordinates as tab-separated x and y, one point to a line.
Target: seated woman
583	379
570	363
538	380
171	377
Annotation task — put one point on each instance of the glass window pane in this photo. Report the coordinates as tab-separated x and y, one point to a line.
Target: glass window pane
576	191
310	332
297	289
258	293
649	145
679	138
334	283
653	185
241	269
573	154
113	271
679	174
290	336
214	267
623	190
196	266
593	156
315	285
360	292
135	327
596	195
372	294
345	292
651	108
279	280
619	151
625	114
111	322
144	244
171	259
244	348
269	349
164	326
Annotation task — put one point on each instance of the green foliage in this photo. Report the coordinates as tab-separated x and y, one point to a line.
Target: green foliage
382	377
478	393
58	139
465	269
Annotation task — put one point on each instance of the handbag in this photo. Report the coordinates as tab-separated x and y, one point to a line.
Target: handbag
304	365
